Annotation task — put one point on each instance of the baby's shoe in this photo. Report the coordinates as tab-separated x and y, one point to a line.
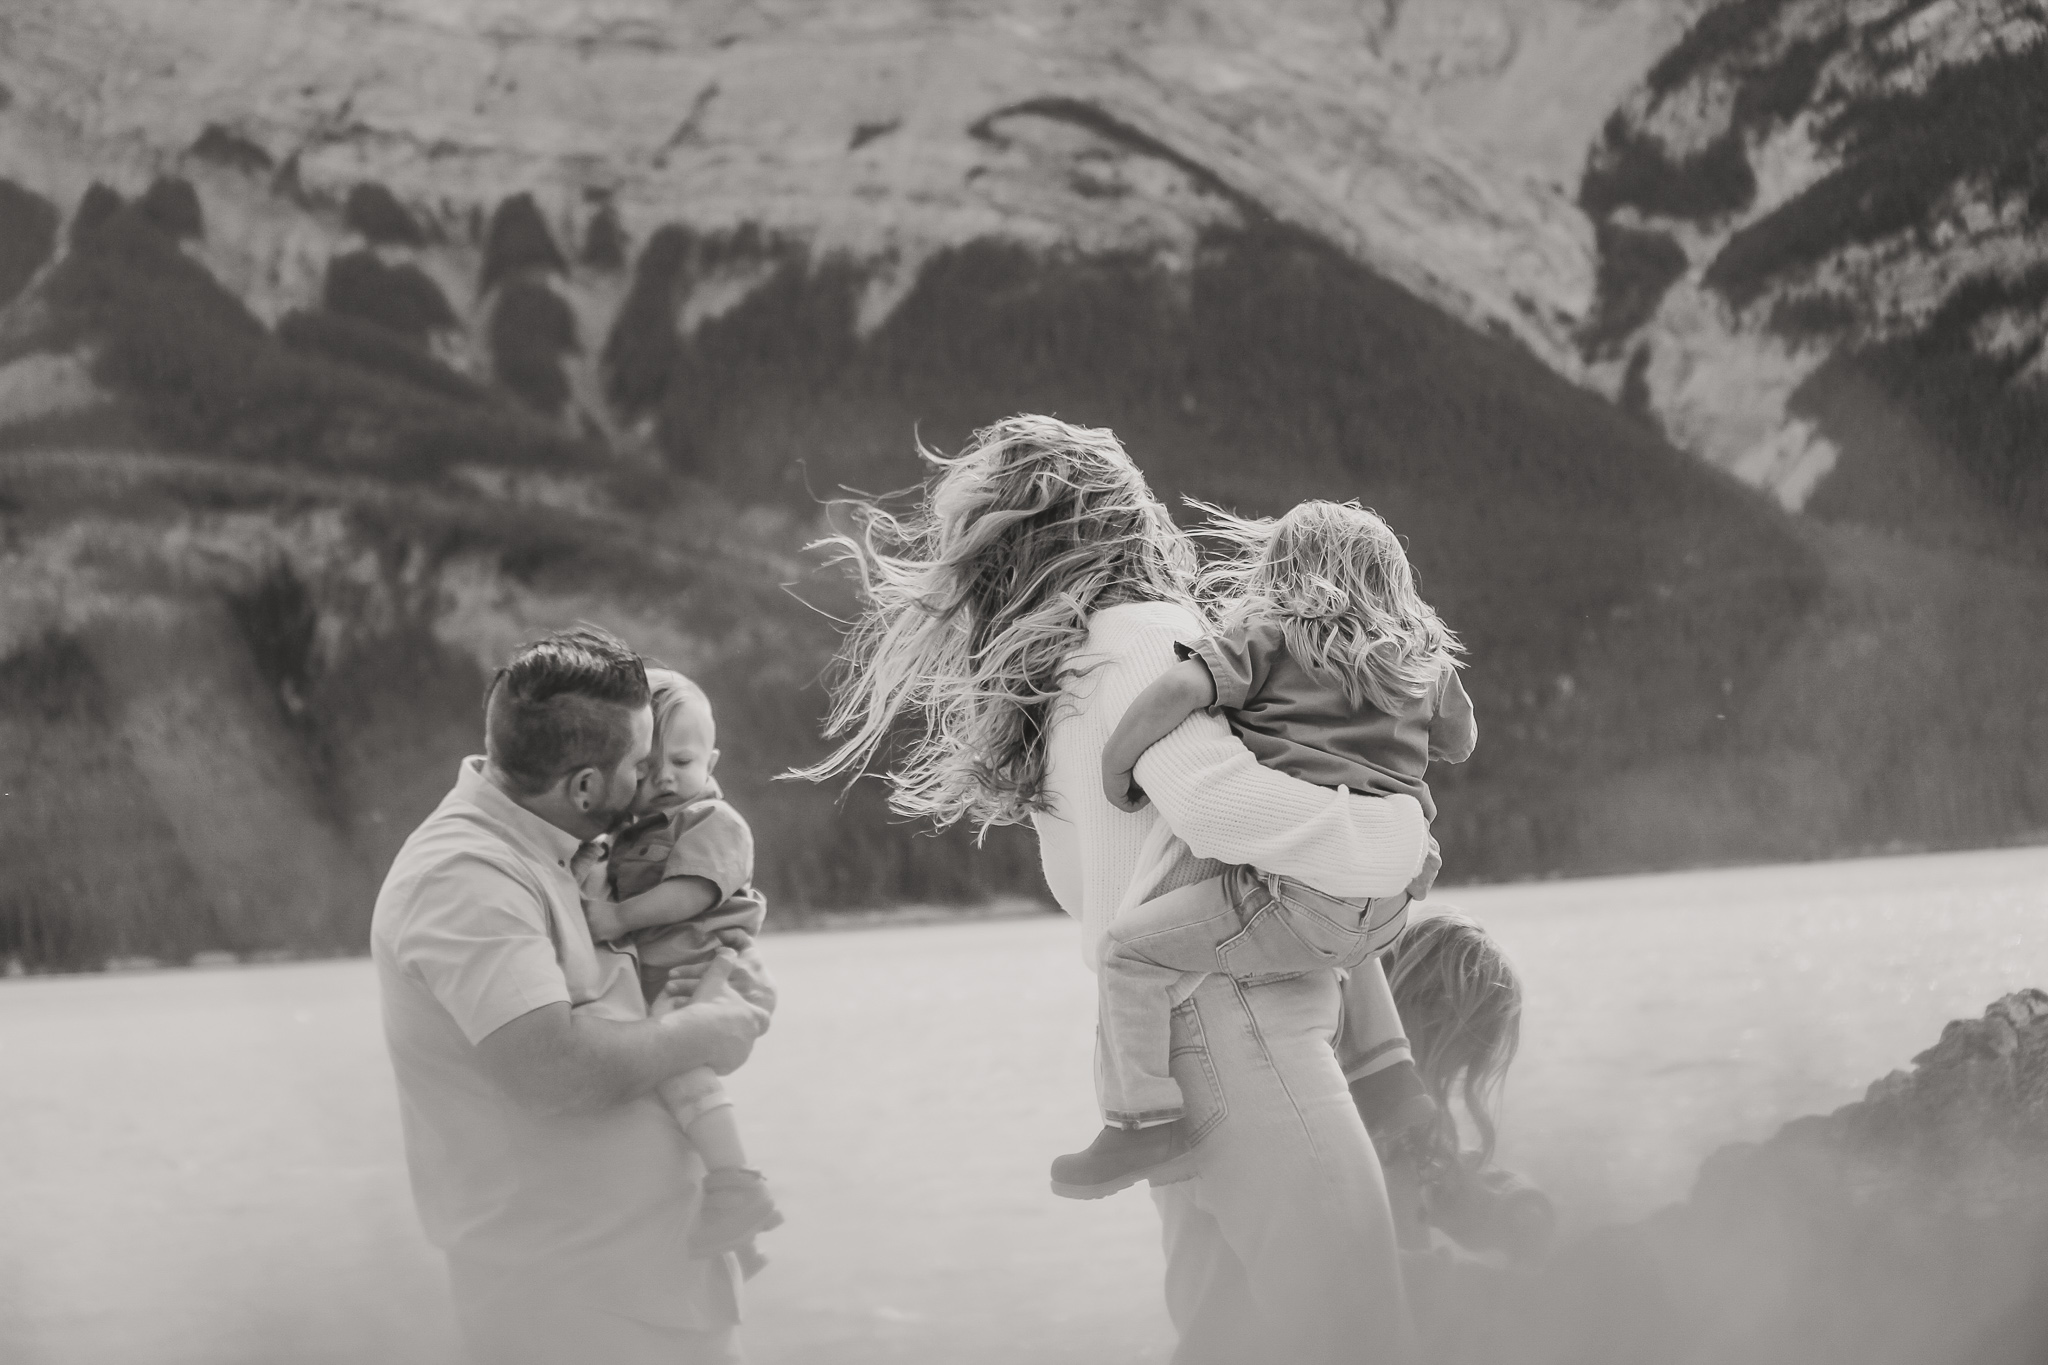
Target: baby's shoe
1121	1157
736	1206
752	1262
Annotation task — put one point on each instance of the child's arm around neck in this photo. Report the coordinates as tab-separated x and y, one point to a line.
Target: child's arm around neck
1157	712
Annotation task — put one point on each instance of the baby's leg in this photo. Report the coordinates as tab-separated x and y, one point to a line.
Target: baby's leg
736	1203
716	1134
694	1097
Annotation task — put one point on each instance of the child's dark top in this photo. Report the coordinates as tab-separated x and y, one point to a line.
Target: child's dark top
1304	727
707	839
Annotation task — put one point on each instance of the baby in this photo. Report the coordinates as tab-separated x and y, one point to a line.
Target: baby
678	888
1331	668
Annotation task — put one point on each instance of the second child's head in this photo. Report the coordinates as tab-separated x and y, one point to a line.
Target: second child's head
1461	1005
685	752
1336	578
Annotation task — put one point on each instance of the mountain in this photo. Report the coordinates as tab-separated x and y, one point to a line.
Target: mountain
343	347
1823	262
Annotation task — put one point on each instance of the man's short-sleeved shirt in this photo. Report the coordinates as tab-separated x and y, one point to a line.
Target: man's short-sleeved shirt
480	922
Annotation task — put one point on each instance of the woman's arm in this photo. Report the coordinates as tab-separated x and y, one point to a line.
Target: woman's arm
1175	695
1224	805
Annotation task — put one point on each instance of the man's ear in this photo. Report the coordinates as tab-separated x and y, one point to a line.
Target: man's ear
585	785
711	763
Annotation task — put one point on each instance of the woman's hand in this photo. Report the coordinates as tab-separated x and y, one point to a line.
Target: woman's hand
1432	863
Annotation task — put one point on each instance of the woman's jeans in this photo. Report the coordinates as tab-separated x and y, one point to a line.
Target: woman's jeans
1282	1248
1246	924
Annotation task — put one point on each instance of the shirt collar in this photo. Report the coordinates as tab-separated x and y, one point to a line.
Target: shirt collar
539	837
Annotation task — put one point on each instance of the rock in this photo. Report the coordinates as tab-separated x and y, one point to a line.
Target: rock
1909	1228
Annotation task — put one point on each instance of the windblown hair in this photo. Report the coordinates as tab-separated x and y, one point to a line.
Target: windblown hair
1461	1005
562	704
1335	577
975	604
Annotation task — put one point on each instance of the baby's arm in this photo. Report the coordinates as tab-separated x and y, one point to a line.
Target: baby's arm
1157	712
712	859
1453	732
670	902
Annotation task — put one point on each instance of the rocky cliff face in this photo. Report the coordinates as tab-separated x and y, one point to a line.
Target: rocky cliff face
1909	1228
1821	230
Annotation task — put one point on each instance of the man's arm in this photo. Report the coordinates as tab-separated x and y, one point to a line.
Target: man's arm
1171	698
552	1060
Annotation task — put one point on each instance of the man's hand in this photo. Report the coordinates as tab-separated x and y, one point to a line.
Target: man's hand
725	1022
1432	863
746	975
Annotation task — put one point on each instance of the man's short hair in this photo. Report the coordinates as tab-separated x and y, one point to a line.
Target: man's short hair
563	703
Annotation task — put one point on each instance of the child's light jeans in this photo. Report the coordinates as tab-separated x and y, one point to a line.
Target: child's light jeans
1250	925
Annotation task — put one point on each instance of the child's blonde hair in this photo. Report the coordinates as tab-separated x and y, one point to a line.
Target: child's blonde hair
1335	577
1461	1006
668	693
976	603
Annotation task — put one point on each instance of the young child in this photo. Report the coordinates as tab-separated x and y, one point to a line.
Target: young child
1461	1003
1331	668
681	887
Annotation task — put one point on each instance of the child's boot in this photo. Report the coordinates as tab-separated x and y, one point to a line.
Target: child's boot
736	1206
1121	1157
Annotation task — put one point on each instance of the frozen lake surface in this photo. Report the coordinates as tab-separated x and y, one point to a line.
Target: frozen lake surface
202	1167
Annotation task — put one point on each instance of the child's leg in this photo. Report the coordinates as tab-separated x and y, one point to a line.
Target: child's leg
736	1203
1152	947
716	1135
1372	1047
1372	1038
693	1096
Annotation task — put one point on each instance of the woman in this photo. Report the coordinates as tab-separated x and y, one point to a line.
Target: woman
1011	618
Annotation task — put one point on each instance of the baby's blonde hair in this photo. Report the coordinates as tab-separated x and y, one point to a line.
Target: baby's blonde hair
1460	1003
669	692
1335	578
976	602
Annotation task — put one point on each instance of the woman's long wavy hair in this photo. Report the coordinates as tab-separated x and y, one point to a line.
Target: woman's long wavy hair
1461	1005
975	604
1335	577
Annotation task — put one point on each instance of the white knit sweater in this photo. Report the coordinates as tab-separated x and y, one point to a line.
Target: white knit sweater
1211	791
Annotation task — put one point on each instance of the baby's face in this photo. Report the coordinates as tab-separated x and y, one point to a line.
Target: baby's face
679	770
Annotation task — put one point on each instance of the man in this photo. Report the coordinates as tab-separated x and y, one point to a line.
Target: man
558	1185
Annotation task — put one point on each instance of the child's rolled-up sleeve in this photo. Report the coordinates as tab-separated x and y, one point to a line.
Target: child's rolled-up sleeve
1238	662
714	842
478	938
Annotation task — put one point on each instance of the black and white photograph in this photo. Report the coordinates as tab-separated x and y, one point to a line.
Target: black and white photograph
1023	682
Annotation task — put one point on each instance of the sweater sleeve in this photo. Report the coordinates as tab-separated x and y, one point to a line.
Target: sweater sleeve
1215	795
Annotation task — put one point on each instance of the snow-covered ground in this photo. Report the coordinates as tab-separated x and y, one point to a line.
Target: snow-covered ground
202	1167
